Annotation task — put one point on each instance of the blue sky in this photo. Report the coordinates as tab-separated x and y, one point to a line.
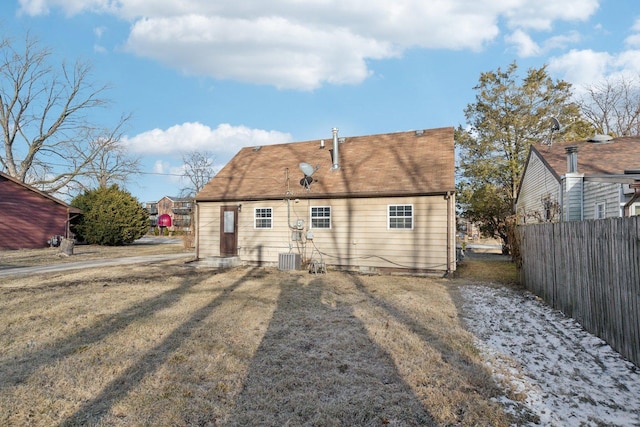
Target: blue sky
219	75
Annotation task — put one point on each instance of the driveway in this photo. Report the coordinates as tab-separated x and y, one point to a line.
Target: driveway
94	263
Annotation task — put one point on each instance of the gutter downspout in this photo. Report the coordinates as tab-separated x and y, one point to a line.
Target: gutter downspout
562	209
636	196
196	222
449	199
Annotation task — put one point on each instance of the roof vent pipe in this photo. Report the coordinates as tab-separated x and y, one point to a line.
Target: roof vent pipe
572	158
336	163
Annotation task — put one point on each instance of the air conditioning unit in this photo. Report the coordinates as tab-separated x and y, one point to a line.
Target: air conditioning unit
289	261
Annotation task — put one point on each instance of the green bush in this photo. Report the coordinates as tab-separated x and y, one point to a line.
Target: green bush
111	217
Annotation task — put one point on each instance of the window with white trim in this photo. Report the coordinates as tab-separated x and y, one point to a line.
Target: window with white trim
321	217
400	217
600	210
263	218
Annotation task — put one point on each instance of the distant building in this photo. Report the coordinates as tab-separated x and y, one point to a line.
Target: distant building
580	180
177	208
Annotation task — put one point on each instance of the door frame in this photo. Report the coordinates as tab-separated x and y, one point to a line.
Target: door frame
228	230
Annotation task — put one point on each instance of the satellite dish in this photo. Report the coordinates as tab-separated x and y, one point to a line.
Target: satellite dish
306	169
555	124
306	181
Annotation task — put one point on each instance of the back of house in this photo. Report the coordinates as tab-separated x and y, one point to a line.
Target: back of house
370	203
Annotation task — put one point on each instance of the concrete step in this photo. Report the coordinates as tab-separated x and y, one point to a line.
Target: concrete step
219	262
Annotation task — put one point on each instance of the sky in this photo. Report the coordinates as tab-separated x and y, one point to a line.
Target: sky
216	76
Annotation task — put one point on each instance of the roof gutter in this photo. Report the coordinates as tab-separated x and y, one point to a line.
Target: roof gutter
305	196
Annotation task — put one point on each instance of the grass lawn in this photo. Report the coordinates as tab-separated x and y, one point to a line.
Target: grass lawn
171	345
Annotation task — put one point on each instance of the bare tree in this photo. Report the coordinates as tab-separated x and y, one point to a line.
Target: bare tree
613	106
198	169
111	164
48	139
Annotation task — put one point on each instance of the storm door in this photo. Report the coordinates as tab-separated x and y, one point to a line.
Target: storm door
228	230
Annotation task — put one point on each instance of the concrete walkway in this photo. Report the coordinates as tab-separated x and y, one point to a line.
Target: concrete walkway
93	263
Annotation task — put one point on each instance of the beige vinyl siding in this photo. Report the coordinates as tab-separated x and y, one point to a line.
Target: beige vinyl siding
537	184
359	235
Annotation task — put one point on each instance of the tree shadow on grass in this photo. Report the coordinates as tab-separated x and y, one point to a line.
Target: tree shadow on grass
469	389
316	365
16	371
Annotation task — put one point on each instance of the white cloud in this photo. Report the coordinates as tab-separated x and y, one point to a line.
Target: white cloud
160	167
303	45
99	31
198	137
582	67
34	7
633	41
628	63
540	15
526	47
524	44
266	51
561	41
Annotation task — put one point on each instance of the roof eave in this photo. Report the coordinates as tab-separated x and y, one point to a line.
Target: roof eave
71	209
363	195
614	178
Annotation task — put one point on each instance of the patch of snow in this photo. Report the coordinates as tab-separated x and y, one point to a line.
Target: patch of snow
548	363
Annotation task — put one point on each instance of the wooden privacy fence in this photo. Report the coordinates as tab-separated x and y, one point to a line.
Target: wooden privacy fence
589	270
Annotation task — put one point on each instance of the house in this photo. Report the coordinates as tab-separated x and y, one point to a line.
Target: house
365	203
29	218
591	179
177	209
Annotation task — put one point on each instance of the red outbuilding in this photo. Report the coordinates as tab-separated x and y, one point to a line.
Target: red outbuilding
29	218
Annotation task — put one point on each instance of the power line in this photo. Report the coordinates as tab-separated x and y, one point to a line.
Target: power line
135	173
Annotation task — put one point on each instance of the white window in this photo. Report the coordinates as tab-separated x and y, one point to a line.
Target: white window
263	218
400	217
600	210
321	217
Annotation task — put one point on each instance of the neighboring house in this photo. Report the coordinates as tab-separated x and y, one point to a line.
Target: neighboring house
367	202
572	181
177	208
29	218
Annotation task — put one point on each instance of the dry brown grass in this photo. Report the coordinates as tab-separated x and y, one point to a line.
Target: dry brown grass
489	268
171	345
